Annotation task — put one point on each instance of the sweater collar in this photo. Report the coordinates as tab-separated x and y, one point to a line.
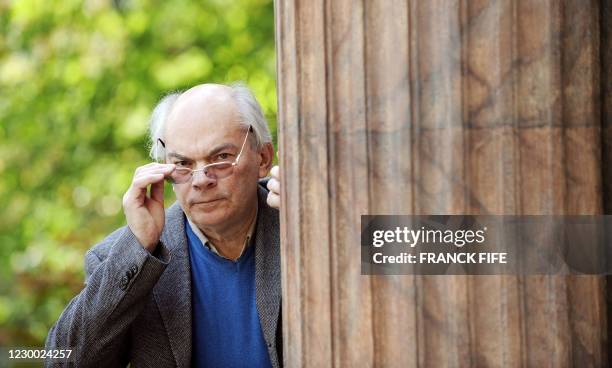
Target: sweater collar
207	243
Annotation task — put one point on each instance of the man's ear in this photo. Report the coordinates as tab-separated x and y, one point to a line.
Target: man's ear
266	155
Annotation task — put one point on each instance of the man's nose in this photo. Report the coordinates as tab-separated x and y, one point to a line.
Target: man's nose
200	179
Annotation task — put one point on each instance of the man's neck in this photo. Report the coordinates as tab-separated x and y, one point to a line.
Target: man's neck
230	242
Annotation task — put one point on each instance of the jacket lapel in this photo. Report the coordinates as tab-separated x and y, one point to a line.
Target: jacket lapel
173	290
267	267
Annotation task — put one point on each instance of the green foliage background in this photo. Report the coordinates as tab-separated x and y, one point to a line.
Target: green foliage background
78	80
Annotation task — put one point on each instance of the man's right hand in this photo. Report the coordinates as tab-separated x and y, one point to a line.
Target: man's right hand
145	214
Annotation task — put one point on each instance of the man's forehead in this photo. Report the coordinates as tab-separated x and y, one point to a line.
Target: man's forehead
203	108
204	135
203	126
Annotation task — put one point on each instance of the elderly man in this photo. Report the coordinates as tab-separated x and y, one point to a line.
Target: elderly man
197	284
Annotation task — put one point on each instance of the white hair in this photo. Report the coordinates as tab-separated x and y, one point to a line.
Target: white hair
249	111
156	124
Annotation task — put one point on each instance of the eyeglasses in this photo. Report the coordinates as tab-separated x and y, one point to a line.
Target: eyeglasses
215	170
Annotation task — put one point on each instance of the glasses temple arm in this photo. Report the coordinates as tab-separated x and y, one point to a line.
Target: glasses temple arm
243	143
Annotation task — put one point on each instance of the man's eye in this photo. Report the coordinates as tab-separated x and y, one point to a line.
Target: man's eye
181	163
224	156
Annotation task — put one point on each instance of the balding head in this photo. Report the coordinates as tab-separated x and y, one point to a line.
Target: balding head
203	103
234	104
205	106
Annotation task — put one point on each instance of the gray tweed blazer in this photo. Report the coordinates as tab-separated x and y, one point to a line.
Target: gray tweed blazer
136	307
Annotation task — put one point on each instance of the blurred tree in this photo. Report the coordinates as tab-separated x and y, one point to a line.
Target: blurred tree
77	82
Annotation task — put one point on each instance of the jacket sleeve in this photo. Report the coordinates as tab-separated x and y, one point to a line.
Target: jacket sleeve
95	324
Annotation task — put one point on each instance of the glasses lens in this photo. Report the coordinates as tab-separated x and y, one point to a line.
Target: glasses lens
220	170
217	170
180	176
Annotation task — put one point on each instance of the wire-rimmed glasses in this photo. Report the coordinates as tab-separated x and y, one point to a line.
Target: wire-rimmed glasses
215	170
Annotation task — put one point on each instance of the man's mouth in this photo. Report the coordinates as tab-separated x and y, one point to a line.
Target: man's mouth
211	201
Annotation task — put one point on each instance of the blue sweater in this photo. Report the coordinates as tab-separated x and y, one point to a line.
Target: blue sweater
226	329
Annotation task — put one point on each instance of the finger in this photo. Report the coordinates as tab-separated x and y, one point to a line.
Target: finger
143	167
275	172
151	171
157	192
143	181
274	186
273	200
153	166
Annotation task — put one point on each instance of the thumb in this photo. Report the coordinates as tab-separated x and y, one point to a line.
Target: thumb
157	192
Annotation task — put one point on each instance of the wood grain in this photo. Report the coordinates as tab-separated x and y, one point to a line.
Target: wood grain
438	107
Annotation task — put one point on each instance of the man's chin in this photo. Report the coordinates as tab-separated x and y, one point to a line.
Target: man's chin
207	216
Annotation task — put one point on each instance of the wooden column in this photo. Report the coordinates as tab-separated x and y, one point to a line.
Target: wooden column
436	107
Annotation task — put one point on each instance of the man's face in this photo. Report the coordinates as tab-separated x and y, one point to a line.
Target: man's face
201	130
